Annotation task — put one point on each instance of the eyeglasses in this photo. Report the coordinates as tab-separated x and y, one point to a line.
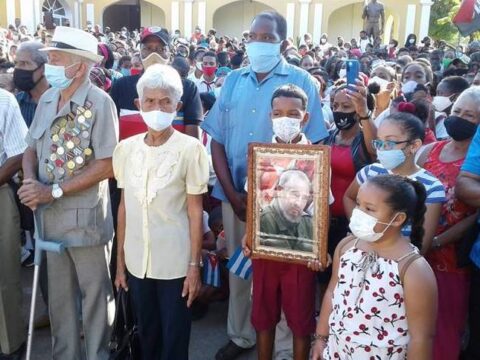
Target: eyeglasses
387	144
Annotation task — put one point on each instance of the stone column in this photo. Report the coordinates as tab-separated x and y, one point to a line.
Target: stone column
425	18
303	26
187	19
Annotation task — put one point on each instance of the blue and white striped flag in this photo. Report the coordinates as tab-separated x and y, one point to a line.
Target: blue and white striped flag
240	265
211	270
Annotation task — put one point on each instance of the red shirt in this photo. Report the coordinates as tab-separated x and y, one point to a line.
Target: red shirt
343	173
453	210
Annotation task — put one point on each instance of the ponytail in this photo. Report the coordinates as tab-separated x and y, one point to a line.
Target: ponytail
418	216
408	196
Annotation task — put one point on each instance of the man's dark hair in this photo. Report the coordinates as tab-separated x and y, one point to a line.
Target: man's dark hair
455	84
291	91
395	42
211	54
237	59
182	66
223	59
279	20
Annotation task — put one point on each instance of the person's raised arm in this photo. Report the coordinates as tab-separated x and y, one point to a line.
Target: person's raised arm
350	198
420	293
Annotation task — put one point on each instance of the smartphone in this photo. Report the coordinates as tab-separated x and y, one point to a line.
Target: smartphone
353	70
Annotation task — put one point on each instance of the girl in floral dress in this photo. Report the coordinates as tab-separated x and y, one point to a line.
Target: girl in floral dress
382	299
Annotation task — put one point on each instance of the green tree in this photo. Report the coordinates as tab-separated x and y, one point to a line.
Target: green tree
441	26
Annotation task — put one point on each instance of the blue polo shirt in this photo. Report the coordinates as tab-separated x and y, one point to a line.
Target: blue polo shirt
241	115
472	165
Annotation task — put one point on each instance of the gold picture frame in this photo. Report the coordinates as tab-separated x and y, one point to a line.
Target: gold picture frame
288	202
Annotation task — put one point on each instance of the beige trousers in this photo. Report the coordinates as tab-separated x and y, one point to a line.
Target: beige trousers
80	273
12	328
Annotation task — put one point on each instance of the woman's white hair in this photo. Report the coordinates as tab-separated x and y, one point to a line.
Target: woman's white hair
472	93
161	77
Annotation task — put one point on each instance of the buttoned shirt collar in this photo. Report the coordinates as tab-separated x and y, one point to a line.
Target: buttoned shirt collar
279	69
78	97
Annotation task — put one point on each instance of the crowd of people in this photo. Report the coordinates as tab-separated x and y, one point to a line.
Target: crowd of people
131	149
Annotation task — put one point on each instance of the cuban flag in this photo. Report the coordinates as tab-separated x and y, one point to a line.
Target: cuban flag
240	265
467	19
211	270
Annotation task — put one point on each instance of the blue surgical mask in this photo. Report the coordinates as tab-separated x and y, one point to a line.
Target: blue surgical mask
56	77
263	56
391	159
125	71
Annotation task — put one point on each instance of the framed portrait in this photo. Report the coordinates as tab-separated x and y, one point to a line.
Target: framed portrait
288	202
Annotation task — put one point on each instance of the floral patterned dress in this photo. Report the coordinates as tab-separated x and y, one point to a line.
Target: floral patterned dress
368	320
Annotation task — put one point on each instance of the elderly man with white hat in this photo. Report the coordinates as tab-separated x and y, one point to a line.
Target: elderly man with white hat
66	167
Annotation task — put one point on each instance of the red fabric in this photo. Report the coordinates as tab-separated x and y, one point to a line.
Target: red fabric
343	173
429	137
466	12
286	286
453	210
133	124
453	291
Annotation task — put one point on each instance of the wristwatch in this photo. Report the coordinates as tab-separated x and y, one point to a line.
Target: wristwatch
369	115
57	191
194	263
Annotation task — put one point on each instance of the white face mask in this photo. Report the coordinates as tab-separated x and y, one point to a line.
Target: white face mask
199	65
154	58
342	73
362	226
381	82
158	120
286	128
409	87
441	103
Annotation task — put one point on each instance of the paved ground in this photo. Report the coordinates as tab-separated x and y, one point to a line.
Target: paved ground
208	334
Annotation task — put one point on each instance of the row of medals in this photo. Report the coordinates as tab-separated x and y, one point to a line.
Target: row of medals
66	150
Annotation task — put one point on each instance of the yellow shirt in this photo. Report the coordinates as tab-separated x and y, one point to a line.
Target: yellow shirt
156	181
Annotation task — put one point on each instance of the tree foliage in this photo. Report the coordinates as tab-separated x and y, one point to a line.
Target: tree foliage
441	26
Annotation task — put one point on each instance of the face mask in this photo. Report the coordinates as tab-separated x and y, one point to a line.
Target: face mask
263	56
154	58
409	87
286	129
378	80
209	70
344	121
446	63
391	159
342	73
459	129
199	65
158	120
23	79
323	41
441	103
56	77
135	71
125	72
362	226
411	41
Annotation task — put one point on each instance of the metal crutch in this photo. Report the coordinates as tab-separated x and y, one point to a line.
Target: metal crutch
40	246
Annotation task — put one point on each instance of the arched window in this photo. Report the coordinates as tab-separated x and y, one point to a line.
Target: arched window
56	8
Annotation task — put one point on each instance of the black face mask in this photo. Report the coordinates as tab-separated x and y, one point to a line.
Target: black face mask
459	129
23	79
344	121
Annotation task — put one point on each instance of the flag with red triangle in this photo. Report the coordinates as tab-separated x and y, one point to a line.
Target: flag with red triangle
467	19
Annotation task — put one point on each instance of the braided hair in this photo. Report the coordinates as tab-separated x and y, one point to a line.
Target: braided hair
408	196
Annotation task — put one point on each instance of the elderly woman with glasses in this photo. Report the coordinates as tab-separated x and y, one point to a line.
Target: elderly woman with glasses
163	174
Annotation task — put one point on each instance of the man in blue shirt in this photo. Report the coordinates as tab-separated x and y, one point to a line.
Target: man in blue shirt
467	189
241	116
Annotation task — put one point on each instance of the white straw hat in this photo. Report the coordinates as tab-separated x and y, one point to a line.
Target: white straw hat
75	41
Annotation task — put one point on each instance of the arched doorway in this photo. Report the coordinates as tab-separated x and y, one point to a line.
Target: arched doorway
151	15
338	26
59	11
122	13
234	18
